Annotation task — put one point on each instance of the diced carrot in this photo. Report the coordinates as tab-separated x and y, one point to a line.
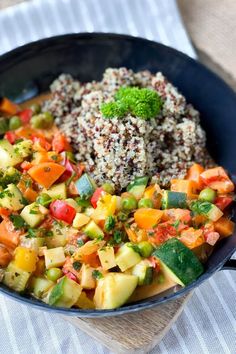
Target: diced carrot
8	235
24	183
7	107
147	218
192	238
177	214
153	192
194	174
30	194
28	133
46	173
224	226
4	212
91	259
185	186
199	220
216	178
5	256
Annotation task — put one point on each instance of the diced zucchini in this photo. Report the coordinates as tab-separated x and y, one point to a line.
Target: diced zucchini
178	262
9	175
144	272
32	215
84	302
55	257
126	257
8	157
137	187
85	186
40	286
114	289
16	278
23	148
80	220
211	211
174	200
107	257
58	191
11	198
65	293
214	213
92	230
56	241
87	280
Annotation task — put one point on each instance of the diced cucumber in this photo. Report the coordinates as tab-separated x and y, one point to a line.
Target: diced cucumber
80	220
178	262
107	257
144	272
58	191
65	293
214	213
32	215
114	289
11	198
16	278
40	286
55	257
23	148
85	186
174	200
92	230
126	257
87	280
8	157
9	175
137	187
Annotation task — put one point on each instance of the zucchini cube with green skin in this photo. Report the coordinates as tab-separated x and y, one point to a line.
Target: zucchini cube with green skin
23	148
214	213
58	191
8	157
65	293
107	257
144	272
32	215
126	257
16	278
87	280
137	187
85	186
11	198
174	200
54	257
178	262
40	286
92	230
114	289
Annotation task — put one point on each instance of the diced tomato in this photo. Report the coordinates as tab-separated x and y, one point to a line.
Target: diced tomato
96	196
223	201
4	212
163	232
71	276
41	144
182	215
25	115
26	165
212	237
216	178
62	211
10	136
60	143
192	238
71	168
155	263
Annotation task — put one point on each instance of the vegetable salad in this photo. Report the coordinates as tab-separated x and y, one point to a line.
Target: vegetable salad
69	242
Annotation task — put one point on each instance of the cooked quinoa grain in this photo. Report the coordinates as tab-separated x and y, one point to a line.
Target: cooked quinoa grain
117	150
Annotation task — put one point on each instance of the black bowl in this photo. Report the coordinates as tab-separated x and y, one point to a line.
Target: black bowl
29	70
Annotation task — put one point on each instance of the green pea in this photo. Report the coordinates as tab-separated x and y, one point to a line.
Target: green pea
107	187
145	249
54	273
44	199
15	123
42	120
129	203
4	127
208	195
145	203
36	108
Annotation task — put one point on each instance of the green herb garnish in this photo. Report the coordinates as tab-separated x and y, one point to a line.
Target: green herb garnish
76	265
17	221
199	207
109	223
96	274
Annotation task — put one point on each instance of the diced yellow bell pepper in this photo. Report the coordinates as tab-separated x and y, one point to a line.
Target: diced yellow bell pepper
106	206
25	259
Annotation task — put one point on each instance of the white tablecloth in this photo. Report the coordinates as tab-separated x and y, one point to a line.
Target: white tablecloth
208	322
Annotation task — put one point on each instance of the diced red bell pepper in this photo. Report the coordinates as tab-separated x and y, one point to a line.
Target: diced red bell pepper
10	136
60	143
62	211
96	196
223	201
25	115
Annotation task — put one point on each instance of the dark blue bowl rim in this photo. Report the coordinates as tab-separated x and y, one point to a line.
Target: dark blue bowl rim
147	303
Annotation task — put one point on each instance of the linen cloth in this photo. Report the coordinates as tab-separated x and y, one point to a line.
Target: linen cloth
208	322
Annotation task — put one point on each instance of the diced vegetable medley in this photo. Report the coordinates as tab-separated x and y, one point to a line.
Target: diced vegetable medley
69	242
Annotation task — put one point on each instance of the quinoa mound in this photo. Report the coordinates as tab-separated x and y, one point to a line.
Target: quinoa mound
119	149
